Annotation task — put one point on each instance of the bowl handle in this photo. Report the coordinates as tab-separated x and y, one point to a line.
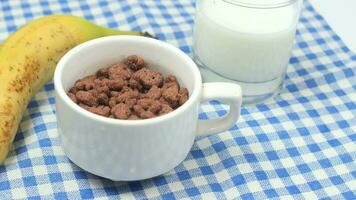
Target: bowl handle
227	93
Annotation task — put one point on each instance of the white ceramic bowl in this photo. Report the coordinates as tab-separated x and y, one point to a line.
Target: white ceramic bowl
135	149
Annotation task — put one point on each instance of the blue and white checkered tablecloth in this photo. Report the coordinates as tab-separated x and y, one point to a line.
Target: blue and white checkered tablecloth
299	145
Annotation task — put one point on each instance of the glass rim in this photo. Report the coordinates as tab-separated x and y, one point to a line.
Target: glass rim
260	5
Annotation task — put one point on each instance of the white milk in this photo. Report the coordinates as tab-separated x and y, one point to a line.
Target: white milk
243	44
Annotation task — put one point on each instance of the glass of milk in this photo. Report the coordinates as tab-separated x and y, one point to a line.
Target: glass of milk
246	42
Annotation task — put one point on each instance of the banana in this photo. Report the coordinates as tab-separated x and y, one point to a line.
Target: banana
27	61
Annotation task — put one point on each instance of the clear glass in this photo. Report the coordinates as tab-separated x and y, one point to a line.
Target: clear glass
247	42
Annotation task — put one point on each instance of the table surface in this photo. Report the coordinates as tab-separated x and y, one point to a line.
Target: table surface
299	145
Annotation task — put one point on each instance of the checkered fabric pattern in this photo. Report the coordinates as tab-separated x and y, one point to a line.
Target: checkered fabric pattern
299	145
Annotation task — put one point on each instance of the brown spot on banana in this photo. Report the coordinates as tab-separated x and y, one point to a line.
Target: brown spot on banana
31	68
6	109
7	124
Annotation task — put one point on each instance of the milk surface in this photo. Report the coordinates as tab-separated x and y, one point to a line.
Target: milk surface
243	44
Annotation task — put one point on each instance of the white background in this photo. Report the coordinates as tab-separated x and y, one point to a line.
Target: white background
341	16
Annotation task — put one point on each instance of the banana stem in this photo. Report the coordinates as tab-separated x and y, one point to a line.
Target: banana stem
147	34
